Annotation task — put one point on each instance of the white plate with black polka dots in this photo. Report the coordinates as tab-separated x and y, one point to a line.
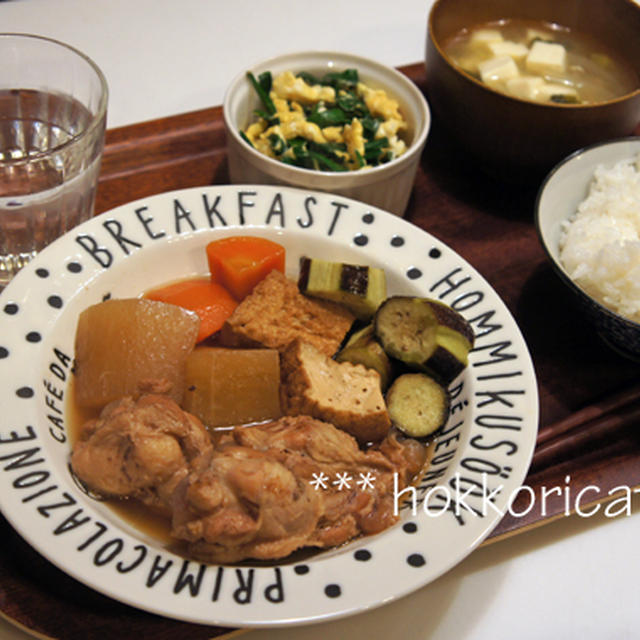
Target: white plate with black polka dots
480	460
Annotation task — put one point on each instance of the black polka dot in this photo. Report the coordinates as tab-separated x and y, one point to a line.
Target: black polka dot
397	241
55	302
301	569
414	273
361	240
4	352
435	253
368	218
42	273
24	392
416	560
409	527
362	554
33	336
333	590
11	308
74	267
106	296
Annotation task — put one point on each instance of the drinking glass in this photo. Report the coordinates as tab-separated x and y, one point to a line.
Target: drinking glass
53	106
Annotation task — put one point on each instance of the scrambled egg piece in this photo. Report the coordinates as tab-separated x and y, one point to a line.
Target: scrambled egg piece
292	95
379	103
333	134
287	111
293	122
288	86
391	129
253	131
353	136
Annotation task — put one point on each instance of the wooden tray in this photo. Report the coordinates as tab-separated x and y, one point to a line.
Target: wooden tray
489	224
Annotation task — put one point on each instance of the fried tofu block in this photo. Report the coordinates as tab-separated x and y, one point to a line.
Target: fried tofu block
276	313
344	394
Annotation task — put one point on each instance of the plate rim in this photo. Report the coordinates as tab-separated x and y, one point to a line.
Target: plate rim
148	201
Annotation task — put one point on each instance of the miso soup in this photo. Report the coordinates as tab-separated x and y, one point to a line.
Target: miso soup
541	62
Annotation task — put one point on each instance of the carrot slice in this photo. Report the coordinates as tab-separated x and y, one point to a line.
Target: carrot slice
210	301
240	262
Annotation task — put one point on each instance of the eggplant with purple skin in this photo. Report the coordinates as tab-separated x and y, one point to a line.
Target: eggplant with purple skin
359	288
427	335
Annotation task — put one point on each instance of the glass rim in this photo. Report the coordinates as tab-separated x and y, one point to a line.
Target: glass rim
96	119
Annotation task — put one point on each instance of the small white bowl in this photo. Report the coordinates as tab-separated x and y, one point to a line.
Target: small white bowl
563	190
387	186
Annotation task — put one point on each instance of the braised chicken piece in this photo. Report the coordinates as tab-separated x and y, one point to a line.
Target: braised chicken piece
244	505
363	501
408	455
261	492
259	498
140	449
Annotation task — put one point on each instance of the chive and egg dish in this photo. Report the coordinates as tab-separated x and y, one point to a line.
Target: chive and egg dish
330	123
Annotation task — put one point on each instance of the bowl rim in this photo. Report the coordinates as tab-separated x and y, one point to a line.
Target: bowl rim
545	105
300	173
558	268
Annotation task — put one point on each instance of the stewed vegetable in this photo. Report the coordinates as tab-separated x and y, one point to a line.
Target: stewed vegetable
425	334
418	405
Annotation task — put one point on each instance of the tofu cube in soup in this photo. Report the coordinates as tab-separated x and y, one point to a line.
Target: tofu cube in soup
546	58
498	70
482	38
514	50
570	67
123	346
537	34
226	387
525	87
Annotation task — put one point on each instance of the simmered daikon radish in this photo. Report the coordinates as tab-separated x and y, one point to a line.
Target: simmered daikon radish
227	387
124	346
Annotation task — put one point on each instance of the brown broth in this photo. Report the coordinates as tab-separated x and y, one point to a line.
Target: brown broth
596	72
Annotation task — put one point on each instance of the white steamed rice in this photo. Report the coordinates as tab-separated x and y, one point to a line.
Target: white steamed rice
600	244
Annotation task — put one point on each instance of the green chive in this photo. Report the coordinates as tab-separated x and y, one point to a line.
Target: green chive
264	96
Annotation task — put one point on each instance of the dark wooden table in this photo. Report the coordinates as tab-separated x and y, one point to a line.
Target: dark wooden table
488	223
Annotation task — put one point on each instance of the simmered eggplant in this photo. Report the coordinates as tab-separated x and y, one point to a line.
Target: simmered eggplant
418	405
425	334
363	348
361	289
